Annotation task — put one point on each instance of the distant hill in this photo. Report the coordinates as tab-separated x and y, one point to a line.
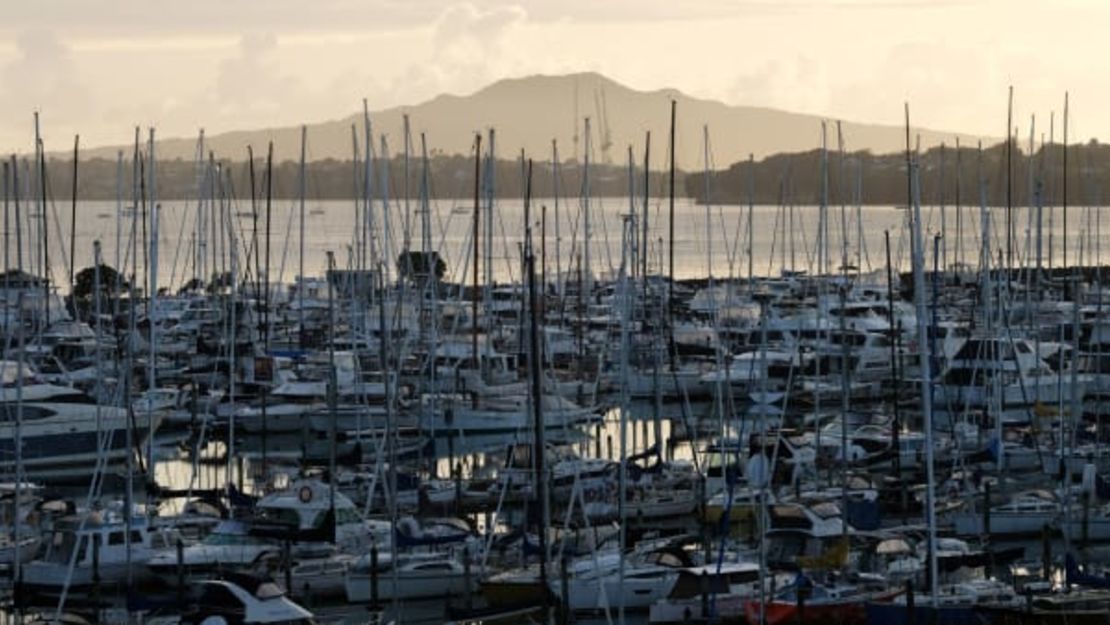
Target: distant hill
528	113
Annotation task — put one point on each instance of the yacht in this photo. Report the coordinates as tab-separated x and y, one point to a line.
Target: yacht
243	599
410	576
94	547
300	514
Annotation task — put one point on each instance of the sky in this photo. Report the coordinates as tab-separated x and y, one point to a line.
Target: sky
99	68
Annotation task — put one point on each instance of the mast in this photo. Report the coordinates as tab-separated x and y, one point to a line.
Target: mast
647	195
429	295
628	229
477	252
200	246
369	252
587	234
845	348
73	220
926	382
137	193
253	252
670	244
536	387
333	383
407	234
387	220
1064	190
634	242
356	193
670	224
751	211
708	217
301	184
18	219
895	335
7	225
266	302
119	226
152	313
943	214
558	236
823	208
959	208
1009	183
45	230
233	259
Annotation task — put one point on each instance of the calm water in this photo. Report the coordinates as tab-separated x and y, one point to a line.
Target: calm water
779	239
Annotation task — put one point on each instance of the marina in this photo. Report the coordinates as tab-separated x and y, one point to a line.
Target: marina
567	407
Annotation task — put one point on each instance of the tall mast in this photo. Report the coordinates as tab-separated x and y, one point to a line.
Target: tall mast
18	218
1009	182
708	211
670	243
387	219
845	348
7	223
369	254
635	242
429	292
152	313
587	234
200	245
644	247
73	218
628	230
490	182
301	184
233	260
535	373
926	382
266	300
407	234
909	175
333	383
1064	194
477	252
959	208
558	234
253	255
356	193
45	230
751	211
943	214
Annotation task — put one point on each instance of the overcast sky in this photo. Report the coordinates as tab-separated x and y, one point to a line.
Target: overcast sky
99	68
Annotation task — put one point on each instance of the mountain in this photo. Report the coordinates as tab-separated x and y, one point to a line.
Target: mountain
529	112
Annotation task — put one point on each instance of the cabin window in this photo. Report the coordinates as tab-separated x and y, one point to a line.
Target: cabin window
136	536
282	516
115	538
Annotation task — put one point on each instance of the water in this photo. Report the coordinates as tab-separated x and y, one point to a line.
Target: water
178	468
330	226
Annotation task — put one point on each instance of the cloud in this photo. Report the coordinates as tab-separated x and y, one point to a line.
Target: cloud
469	42
794	83
43	76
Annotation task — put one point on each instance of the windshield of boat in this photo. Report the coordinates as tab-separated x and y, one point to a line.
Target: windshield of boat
279	516
222	538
